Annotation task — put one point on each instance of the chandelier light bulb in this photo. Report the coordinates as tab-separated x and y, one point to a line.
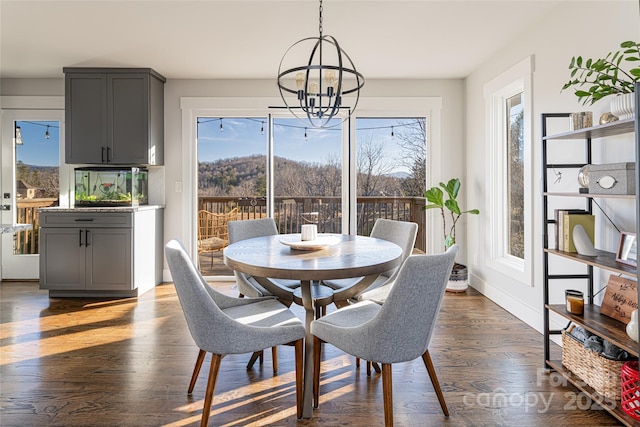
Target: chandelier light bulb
300	81
313	88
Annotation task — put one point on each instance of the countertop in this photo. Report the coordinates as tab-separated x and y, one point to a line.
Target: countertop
12	228
103	209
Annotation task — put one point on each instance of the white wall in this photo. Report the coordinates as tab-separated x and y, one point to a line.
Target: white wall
589	29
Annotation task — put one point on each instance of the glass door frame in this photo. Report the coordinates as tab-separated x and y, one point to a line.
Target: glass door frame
194	107
15	109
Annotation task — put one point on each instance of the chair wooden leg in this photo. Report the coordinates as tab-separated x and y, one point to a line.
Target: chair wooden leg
211	385
299	377
357	362
196	370
317	348
434	380
255	356
376	367
387	394
368	368
274	358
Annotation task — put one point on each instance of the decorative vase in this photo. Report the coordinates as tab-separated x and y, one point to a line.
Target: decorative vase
623	105
459	279
632	326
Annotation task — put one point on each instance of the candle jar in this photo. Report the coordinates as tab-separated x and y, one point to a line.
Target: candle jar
575	301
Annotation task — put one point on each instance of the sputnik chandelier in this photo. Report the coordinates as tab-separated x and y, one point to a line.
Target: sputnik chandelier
314	92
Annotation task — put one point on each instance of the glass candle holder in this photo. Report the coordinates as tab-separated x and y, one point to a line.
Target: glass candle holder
575	301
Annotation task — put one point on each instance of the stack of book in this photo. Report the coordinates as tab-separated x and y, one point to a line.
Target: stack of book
565	220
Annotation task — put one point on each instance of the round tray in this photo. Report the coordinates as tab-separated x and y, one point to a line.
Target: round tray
293	241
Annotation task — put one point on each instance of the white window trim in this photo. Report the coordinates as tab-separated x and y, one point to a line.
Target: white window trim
515	80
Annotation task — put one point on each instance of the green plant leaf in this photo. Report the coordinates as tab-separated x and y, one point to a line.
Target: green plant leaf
452	205
434	195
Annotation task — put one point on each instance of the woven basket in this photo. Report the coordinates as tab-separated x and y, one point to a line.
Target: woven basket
600	373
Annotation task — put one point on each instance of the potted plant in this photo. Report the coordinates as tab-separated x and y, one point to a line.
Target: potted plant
458	282
595	79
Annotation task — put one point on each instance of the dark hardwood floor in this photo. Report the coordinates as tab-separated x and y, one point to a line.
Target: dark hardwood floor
127	362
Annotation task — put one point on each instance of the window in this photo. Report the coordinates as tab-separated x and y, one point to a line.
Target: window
508	104
515	175
309	175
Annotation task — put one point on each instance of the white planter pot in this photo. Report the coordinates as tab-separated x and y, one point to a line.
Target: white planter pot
623	106
459	279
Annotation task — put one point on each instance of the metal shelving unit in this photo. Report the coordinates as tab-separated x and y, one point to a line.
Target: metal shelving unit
591	320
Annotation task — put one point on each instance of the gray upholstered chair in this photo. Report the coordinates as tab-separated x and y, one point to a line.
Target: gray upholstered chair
247	285
248	229
398	330
223	325
401	233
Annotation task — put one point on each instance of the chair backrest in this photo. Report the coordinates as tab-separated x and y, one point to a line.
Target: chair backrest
401	233
402	329
201	304
215	225
250	228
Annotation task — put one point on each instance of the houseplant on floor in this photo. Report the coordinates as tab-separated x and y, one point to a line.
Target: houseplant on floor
614	74
458	282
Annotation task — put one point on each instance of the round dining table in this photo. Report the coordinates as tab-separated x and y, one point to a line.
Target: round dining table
330	256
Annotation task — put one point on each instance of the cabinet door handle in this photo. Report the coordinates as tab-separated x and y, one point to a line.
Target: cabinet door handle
80	238
86	238
108	154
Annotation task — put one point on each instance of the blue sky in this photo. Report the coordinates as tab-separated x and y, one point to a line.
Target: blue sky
242	137
36	150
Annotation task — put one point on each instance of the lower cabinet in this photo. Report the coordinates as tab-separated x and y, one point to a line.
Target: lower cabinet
86	258
100	254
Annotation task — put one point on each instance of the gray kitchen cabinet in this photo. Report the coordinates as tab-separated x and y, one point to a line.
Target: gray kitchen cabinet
114	116
87	252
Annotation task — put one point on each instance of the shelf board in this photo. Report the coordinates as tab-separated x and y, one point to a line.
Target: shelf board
619	127
613	407
593	196
604	260
599	324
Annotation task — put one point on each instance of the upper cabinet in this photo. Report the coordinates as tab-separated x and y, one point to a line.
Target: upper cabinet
114	116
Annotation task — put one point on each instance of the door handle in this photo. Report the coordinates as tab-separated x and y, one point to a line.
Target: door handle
86	238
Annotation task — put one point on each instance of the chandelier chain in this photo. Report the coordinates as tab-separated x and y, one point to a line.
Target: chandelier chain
320	20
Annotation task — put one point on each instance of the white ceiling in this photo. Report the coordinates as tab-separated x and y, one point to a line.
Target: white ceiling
214	39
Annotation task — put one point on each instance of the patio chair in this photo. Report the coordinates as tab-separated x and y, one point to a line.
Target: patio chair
213	234
397	331
224	325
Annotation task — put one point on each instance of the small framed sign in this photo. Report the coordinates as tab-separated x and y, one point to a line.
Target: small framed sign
627	249
620	298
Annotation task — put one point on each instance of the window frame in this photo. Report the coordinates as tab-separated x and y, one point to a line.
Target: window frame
513	81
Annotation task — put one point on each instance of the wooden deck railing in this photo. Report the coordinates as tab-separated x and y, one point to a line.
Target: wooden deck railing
291	212
26	242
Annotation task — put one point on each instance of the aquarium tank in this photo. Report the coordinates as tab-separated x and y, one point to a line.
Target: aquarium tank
109	187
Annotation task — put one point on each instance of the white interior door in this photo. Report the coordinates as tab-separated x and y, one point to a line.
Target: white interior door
31	159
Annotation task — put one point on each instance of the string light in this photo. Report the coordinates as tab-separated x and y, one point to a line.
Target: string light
262	123
47	134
